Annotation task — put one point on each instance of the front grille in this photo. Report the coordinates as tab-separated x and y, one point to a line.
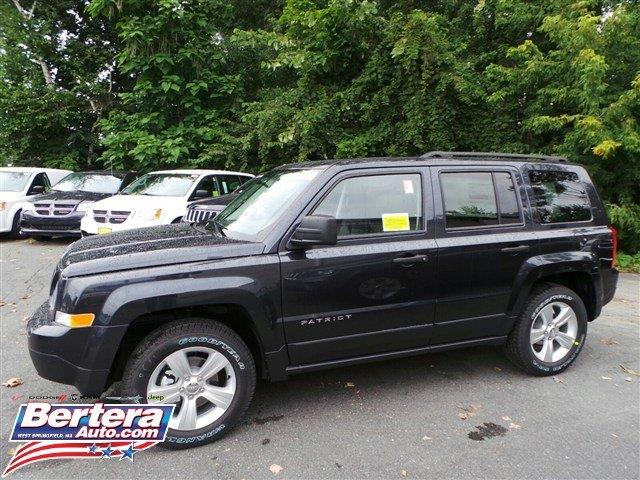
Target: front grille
53	209
195	215
110	216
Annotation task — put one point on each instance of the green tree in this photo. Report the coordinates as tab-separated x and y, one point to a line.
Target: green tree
57	82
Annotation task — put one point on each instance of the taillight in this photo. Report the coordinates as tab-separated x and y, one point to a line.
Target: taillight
614	240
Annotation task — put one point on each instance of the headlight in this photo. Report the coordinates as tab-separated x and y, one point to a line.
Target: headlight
75	320
28	206
149	214
83	206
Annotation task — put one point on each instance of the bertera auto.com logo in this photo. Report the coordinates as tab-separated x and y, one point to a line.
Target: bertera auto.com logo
86	431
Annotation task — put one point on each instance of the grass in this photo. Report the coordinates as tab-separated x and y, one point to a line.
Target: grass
628	263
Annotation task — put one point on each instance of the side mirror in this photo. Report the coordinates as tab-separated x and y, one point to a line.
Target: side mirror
201	194
37	190
315	230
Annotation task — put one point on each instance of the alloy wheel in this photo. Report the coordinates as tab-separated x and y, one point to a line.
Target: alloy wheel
553	332
199	380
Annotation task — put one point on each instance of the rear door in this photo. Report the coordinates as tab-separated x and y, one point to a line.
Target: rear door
373	292
484	234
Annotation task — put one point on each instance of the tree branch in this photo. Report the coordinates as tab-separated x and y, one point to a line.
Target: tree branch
28	15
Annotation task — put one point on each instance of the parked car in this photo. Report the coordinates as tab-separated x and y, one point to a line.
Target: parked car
20	184
157	198
203	210
333	263
58	212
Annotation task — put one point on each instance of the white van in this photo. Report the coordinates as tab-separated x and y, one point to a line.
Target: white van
157	198
20	184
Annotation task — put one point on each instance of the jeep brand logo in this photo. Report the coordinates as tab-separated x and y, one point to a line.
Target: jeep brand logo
317	320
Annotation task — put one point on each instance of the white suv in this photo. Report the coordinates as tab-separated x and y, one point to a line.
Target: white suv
21	184
157	198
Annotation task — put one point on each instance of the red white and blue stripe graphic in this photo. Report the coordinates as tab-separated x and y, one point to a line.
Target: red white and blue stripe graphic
32	452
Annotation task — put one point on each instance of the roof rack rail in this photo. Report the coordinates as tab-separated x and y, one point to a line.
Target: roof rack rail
496	155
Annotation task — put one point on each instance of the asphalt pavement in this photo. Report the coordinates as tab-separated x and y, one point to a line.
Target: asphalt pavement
460	414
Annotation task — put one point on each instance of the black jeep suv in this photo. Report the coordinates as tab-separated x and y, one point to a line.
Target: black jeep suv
323	264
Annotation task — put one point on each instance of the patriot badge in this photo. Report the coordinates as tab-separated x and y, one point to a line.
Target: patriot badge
102	431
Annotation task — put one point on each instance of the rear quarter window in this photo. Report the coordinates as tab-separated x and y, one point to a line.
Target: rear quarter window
559	197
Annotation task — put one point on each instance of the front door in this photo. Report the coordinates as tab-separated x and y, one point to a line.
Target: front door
373	292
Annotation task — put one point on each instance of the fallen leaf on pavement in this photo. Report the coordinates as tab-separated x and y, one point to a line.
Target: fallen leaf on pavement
13	382
275	469
610	342
2	304
349	385
558	380
606	378
506	419
513	426
403	473
628	379
468	412
426	438
497	369
629	371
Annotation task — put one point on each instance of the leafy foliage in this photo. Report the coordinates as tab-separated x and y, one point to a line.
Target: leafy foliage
253	84
56	83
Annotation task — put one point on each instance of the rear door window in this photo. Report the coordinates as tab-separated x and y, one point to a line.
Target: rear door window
479	199
375	204
559	197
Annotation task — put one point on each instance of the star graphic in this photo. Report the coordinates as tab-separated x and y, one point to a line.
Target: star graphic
107	452
129	452
93	448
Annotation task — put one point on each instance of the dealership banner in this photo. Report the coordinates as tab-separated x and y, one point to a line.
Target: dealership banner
57	431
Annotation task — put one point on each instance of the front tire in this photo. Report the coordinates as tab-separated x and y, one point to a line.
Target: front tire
550	332
201	366
15	228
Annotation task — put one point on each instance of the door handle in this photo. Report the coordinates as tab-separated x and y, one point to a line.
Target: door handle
518	249
412	259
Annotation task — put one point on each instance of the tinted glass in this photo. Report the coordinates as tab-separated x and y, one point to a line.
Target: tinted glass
209	184
228	183
375	204
507	200
89	182
469	199
560	197
162	184
261	202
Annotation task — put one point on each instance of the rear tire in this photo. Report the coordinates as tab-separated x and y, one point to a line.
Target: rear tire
550	332
207	406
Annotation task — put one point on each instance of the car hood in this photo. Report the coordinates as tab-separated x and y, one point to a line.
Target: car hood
216	203
70	197
136	202
151	247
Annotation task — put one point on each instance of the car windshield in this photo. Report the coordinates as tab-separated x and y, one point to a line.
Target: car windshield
261	201
13	181
89	182
162	184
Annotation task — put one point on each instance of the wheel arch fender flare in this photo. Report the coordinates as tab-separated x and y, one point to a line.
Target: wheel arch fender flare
538	267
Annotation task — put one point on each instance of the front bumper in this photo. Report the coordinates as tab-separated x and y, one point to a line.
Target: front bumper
67	225
89	226
72	356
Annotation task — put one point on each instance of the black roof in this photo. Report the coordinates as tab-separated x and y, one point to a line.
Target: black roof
435	157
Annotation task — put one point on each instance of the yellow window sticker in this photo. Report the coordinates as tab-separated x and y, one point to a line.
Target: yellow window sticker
395	222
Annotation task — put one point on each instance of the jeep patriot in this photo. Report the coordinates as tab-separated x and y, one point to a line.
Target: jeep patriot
324	264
